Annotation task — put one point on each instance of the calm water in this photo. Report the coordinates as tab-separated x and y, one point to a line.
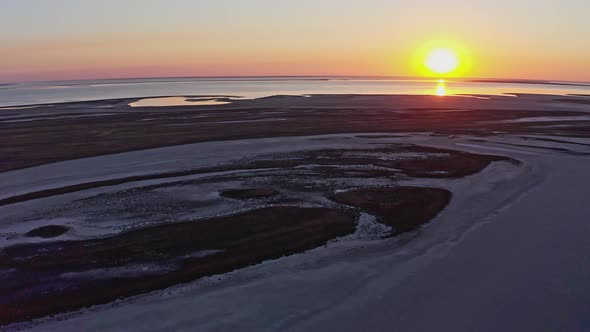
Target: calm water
254	87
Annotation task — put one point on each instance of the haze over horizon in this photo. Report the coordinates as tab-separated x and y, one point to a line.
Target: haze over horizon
68	40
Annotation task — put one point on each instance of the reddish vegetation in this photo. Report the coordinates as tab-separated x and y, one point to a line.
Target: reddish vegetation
47	231
403	208
249	193
575	101
40	288
434	162
453	164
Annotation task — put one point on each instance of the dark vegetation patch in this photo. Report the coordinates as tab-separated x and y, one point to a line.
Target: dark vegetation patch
574	101
555	141
51	276
381	136
549	148
48	231
411	160
403	208
452	165
249	193
575	130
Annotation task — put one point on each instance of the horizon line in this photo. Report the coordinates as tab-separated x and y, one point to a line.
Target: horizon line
327	77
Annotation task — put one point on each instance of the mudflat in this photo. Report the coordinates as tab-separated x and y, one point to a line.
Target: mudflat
50	133
101	201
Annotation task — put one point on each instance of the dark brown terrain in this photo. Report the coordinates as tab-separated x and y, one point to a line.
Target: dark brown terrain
403	208
249	193
181	252
69	133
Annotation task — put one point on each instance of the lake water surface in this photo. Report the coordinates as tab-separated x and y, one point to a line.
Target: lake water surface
255	87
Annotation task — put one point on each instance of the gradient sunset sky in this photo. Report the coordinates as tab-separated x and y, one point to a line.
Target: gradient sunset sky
84	39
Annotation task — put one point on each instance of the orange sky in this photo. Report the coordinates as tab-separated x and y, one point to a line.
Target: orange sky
76	39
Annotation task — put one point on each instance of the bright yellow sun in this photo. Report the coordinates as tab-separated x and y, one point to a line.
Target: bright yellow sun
442	58
442	61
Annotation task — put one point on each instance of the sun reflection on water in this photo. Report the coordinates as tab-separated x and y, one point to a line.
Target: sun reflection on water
441	89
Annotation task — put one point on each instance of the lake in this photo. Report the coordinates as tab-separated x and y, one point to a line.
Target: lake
256	87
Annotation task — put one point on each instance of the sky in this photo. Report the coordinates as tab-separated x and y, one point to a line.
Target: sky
87	39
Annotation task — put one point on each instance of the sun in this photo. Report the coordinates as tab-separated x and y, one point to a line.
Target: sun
442	61
442	58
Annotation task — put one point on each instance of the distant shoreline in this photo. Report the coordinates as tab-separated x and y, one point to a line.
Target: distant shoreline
165	79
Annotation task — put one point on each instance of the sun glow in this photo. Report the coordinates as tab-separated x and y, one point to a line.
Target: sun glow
442	61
